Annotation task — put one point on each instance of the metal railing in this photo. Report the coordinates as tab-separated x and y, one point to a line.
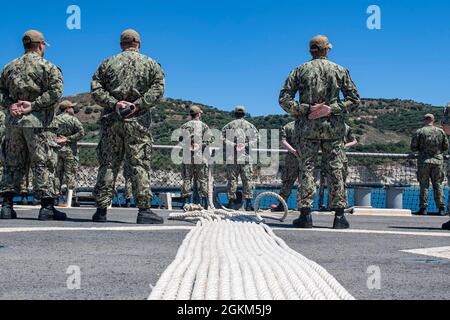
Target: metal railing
400	171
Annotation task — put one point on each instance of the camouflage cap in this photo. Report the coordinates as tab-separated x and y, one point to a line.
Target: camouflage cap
33	36
320	42
428	116
240	109
194	110
66	104
130	36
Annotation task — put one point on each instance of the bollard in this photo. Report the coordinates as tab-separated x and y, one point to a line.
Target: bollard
394	198
363	197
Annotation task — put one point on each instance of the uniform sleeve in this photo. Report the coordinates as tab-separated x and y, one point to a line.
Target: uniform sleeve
79	132
352	99
208	137
5	100
183	135
283	133
254	137
415	143
287	96
2	125
156	91
101	96
50	98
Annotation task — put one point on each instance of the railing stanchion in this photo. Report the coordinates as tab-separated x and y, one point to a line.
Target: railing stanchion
363	197
394	197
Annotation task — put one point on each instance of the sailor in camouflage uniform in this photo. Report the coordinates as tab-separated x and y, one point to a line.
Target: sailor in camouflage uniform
70	131
2	135
127	86
240	138
30	89
446	127
432	143
320	124
195	139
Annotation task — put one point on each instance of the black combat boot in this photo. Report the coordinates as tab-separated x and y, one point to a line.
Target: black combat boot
100	215
340	221
422	212
249	206
147	216
446	226
48	211
8	211
58	215
204	203
305	221
442	211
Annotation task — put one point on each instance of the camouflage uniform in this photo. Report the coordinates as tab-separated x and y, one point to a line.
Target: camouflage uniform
431	143
66	169
2	135
320	80
240	164
31	138
446	121
197	168
291	169
133	77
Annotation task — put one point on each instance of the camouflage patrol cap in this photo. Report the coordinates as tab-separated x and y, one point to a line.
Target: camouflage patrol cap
240	109
320	42
194	110
428	116
33	36
130	36
66	104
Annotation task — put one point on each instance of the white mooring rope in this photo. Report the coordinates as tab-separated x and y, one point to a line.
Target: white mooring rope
241	260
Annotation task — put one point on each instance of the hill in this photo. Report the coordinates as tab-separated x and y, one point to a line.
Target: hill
381	125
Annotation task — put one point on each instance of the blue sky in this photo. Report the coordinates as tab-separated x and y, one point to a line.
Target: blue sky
225	53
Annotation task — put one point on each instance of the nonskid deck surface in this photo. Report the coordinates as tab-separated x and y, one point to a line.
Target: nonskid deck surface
406	257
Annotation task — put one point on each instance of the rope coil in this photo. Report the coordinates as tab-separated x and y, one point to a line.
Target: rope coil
241	260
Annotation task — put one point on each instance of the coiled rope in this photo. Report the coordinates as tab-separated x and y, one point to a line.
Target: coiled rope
241	260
